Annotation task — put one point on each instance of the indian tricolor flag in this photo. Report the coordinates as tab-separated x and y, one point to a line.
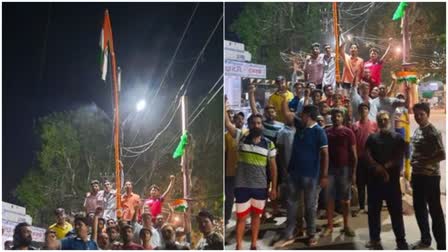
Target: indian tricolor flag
105	43
179	205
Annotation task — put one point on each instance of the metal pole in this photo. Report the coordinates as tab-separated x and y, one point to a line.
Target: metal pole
186	172
336	37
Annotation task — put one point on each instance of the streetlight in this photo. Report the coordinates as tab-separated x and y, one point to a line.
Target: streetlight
141	105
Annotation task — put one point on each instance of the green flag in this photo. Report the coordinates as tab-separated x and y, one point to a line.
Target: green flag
399	12
181	146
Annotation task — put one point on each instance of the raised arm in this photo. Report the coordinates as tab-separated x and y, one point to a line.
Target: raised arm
229	125
170	186
287	114
253	105
387	50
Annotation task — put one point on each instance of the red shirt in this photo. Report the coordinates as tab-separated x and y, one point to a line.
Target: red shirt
375	71
340	142
362	132
132	246
155	205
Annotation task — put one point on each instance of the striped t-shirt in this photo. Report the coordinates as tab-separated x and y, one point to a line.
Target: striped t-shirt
252	161
271	129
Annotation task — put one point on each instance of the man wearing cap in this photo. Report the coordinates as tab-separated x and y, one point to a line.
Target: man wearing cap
314	66
375	65
61	227
276	98
93	198
147	223
81	241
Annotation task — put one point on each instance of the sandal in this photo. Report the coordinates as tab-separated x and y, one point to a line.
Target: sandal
312	242
348	232
327	232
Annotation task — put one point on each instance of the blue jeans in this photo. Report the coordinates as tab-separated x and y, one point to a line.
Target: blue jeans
308	186
230	197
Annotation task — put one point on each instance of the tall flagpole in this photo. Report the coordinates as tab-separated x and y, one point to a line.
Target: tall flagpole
186	171
336	37
116	118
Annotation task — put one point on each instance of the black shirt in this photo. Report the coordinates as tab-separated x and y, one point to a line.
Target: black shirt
385	147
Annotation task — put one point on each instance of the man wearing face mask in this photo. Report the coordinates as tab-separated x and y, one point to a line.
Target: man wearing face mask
251	180
385	150
314	66
22	237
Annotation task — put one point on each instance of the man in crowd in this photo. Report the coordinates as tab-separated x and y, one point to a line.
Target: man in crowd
81	241
251	182
375	65
113	233
210	240
147	224
298	88
169	239
275	99
103	241
362	97
128	201
231	158
61	227
109	199
385	150
314	67
342	170
308	167
329	78
127	234
93	198
353	66
22	238
329	93
155	200
362	129
428	151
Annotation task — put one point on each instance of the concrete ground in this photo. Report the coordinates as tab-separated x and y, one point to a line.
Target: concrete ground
359	223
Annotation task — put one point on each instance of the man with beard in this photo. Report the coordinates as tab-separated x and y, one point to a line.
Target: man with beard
127	234
255	153
362	97
314	67
385	150
22	237
275	99
81	241
388	104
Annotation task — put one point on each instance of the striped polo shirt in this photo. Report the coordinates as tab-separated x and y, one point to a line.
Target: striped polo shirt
252	161
271	129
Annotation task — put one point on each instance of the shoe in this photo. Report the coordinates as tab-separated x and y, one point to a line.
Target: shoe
312	241
284	242
402	246
347	231
326	232
376	245
420	245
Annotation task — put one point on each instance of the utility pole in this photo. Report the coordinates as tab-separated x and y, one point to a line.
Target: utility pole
336	37
186	171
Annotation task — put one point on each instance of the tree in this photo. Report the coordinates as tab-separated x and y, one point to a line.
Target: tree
74	147
267	29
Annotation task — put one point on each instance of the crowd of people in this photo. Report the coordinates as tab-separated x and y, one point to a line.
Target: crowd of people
309	153
142	225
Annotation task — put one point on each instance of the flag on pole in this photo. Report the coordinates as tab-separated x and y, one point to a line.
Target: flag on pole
105	38
399	12
181	146
179	205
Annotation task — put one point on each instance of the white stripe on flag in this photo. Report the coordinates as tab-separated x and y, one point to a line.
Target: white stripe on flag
105	63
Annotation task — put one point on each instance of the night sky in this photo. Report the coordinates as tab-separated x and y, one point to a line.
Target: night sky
50	63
